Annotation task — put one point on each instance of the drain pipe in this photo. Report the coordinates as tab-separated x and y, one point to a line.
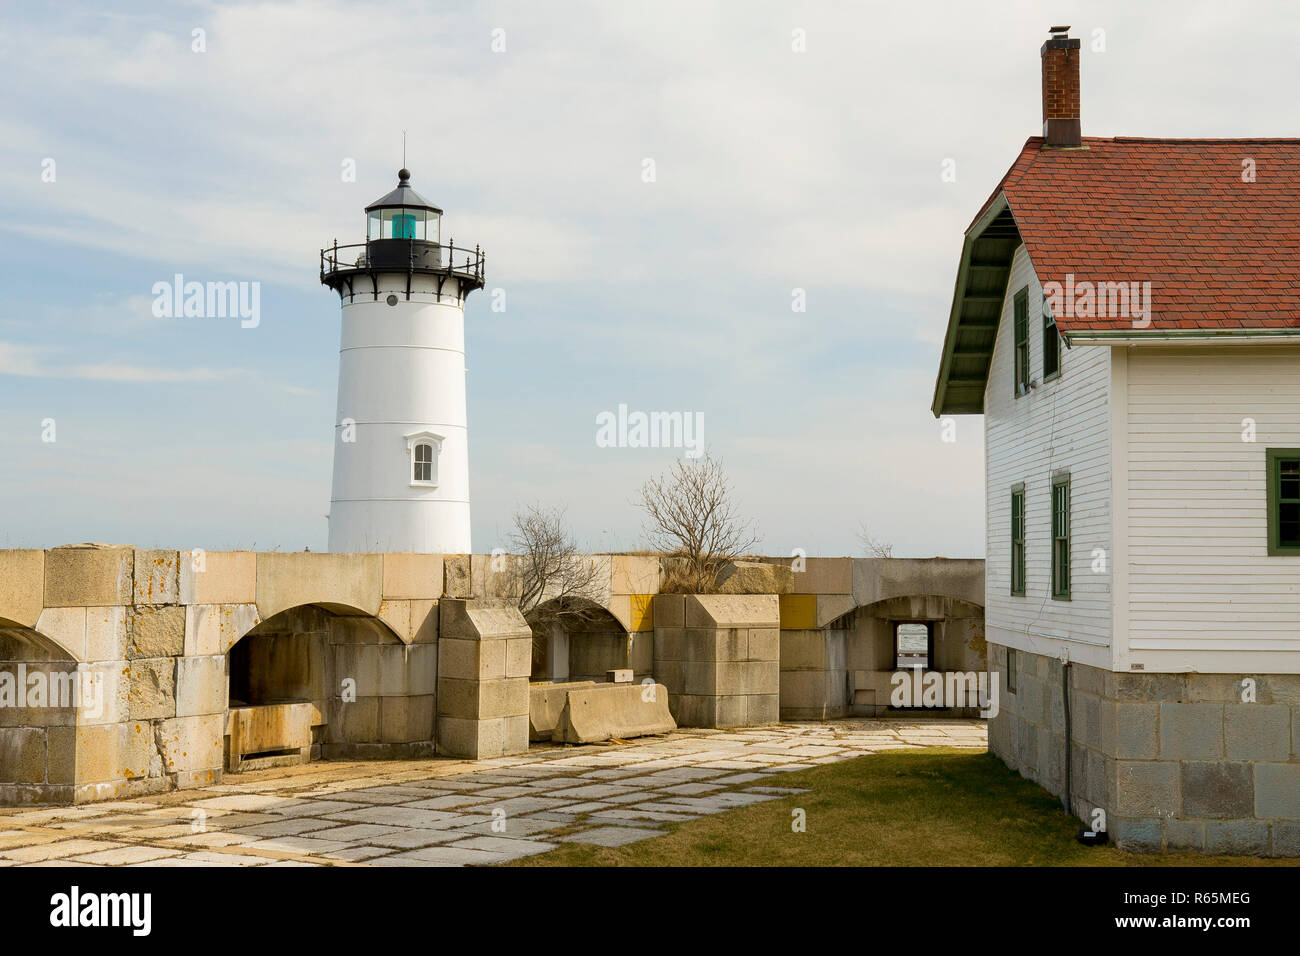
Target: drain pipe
1065	702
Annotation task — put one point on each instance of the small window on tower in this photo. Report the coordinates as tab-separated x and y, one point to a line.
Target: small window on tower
423	463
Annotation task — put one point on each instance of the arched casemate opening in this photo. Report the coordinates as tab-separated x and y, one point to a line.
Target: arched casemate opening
848	667
576	639
43	691
311	683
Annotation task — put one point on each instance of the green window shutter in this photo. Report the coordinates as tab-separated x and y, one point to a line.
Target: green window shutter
1283	500
1021	363
1018	540
1061	538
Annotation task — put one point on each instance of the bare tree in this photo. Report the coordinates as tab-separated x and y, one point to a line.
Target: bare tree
690	515
554	581
874	547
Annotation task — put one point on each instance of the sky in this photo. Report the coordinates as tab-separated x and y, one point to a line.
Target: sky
798	151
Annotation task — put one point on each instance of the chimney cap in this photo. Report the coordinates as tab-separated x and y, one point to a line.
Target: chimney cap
1064	29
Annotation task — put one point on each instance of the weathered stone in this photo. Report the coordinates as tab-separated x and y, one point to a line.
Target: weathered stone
152	688
106	633
1137	835
1217	790
1277	791
755	577
218	577
412	576
88	575
1257	731
22	755
201	686
156	577
214	628
1136	733
1191	731
22	586
1145	789
344	583
457	581
153	631
66	628
1184	835
191	743
1239	837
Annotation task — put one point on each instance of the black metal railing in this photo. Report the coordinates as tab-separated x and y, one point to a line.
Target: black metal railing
403	255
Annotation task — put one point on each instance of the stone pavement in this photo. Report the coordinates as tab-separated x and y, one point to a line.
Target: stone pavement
454	812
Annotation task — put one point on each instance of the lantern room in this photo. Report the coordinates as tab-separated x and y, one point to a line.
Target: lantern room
403	214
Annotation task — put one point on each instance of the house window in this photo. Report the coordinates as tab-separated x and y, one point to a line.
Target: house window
1018	539
1011	670
423	462
1051	346
1061	538
1283	500
1022	342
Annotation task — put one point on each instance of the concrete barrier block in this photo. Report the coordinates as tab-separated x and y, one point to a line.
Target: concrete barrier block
217	577
22	586
88	576
604	711
412	576
545	703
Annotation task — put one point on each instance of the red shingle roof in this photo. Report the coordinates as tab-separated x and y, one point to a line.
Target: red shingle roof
1220	253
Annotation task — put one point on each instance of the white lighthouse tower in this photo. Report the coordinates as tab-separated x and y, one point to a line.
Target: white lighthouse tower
401	451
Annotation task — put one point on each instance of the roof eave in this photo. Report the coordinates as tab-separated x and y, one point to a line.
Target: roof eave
941	405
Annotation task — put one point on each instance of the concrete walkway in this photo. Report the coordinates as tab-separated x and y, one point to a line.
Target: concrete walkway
454	812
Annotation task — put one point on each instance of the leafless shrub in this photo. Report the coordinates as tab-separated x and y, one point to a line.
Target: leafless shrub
554	583
691	518
874	547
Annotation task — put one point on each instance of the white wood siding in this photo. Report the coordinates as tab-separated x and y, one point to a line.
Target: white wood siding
1063	424
1204	594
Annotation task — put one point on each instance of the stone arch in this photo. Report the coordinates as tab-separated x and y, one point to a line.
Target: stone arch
41	692
365	690
579	639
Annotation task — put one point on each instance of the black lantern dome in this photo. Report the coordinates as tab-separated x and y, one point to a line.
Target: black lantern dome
403	214
403	235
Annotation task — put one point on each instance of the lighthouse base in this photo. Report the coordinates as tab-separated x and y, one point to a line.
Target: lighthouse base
399	527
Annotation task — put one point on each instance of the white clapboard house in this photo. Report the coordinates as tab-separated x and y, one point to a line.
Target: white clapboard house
1127	320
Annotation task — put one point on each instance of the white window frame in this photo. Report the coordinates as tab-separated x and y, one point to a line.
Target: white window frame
431	439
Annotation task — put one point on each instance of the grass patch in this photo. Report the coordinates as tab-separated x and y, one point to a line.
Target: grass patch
932	807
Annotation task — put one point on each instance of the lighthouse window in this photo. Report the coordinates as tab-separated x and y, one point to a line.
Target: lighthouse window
423	462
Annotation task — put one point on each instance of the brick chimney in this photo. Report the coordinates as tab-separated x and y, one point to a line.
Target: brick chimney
1061	90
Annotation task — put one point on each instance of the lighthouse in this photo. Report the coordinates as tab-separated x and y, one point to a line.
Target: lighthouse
401	449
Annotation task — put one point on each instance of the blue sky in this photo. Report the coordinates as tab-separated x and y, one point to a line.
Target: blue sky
775	170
